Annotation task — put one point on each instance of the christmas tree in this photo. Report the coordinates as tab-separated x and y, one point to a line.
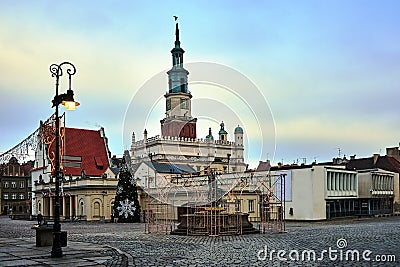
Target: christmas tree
126	205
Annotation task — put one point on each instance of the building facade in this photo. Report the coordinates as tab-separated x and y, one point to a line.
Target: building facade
382	182
16	187
329	190
89	179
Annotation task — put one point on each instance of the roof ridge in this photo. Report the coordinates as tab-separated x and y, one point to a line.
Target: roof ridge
81	129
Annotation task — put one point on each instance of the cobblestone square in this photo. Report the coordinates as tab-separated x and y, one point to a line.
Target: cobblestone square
373	238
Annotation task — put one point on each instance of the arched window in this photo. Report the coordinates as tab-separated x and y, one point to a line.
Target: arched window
82	210
96	209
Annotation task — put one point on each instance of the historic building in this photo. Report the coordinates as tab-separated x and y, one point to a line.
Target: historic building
15	192
89	179
178	142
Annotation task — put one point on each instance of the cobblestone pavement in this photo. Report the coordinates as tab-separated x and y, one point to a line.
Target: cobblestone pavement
341	239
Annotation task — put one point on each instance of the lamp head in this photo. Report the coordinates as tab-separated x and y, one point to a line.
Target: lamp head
68	100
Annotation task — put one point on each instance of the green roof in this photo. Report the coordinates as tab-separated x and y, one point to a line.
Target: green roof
238	130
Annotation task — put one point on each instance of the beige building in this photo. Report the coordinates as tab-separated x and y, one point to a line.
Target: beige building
89	181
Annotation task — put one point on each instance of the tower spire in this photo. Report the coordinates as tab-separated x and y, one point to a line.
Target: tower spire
178	119
177	51
177	42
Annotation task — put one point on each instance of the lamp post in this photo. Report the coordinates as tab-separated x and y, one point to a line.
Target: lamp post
67	100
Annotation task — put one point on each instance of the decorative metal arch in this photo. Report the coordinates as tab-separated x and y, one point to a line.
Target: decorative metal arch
21	151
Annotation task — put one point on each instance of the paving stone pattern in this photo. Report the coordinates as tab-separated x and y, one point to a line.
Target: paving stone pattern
379	235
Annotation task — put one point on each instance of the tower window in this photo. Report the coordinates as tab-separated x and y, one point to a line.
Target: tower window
184	104
183	85
168	104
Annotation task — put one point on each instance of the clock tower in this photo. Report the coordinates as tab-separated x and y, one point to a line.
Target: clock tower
178	121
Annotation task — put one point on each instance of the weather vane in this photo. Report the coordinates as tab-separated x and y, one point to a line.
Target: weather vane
176	18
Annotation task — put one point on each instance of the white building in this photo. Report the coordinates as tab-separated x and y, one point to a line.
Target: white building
324	191
178	142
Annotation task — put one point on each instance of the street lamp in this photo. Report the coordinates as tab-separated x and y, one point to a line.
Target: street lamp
67	100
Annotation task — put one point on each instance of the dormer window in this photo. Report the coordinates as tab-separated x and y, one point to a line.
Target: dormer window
99	163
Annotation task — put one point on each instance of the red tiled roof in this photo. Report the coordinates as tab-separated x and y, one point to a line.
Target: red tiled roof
263	166
89	146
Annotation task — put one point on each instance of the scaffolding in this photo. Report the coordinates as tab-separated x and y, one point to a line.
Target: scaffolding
208	213
158	218
158	214
212	205
272	204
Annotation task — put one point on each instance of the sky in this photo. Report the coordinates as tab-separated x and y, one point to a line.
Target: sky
329	71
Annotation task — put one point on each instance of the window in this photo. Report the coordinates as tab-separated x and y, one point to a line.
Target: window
21	184
21	196
13	185
183	85
238	206
96	208
82	211
251	205
72	161
5	196
5	185
350	182
14	196
328	181
168	103
184	104
336	182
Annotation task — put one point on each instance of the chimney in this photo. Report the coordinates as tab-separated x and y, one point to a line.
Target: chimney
376	157
392	151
